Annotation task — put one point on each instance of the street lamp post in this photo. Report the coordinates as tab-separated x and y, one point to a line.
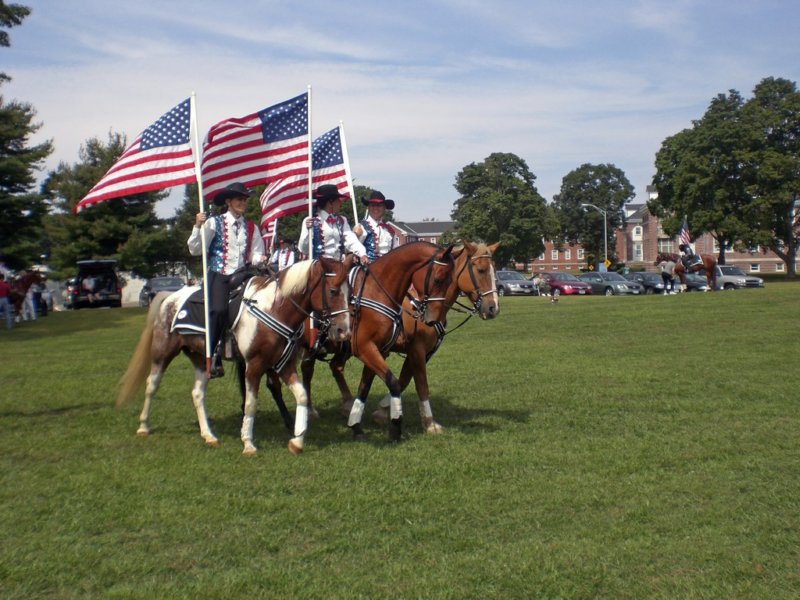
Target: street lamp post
605	227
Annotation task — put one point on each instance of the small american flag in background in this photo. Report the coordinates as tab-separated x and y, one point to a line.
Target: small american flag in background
290	195
683	235
259	148
160	157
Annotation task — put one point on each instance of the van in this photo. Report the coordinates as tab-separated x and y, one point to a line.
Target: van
95	285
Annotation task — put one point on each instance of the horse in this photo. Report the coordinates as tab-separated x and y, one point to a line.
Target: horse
707	263
19	289
266	334
378	294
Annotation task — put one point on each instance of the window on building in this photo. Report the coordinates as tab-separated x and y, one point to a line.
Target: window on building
780	267
567	254
637	231
580	253
665	245
638	252
541	256
755	267
554	255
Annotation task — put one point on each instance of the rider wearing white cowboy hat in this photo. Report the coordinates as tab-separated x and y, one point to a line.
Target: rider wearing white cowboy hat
330	232
377	236
232	243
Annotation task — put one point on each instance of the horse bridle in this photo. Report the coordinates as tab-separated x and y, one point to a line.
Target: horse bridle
478	302
420	306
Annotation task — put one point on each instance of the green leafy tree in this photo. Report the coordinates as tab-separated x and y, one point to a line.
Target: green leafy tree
103	230
705	173
499	202
21	226
603	186
773	215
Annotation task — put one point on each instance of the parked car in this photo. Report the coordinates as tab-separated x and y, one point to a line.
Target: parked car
733	278
96	284
610	284
158	284
511	283
652	283
694	282
563	283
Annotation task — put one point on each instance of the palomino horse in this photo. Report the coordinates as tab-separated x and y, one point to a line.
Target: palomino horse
378	293
707	262
266	334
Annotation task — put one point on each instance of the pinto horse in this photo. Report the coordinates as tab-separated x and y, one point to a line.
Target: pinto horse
707	263
378	295
266	333
19	289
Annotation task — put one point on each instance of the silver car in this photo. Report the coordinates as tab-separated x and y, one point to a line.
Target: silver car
610	284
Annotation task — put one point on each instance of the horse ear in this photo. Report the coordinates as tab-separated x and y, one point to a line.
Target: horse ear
493	248
448	252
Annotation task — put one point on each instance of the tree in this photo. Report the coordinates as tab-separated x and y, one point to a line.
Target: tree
499	202
21	226
124	228
774	213
604	186
705	173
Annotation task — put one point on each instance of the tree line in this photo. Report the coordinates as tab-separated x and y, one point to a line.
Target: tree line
735	173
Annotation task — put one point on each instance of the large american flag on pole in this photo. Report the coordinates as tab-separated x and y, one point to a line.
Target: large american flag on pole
683	235
160	157
290	194
258	148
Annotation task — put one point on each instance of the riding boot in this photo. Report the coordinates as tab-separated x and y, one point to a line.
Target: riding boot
216	364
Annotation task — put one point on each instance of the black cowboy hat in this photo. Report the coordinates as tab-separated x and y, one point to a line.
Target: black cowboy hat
232	190
377	198
327	192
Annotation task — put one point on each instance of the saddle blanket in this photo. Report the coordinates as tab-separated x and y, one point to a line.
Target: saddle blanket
190	318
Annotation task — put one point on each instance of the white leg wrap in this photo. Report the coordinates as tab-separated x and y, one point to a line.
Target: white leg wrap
247	428
300	420
426	409
356	412
396	407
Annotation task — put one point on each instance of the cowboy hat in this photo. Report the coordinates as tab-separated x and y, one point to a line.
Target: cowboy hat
377	198
232	190
327	192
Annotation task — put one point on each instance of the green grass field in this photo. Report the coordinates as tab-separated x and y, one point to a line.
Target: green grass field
600	448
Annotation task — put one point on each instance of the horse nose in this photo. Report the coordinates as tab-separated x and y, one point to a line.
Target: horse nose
492	310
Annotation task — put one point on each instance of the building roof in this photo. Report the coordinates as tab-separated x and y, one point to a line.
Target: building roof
424	228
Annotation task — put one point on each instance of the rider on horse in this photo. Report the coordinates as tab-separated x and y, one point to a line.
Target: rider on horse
378	237
232	242
329	231
689	258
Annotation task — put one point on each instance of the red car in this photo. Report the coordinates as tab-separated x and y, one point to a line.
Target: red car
564	284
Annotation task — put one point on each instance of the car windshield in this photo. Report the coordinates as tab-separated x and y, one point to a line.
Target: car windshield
614	277
506	275
732	271
564	277
163	282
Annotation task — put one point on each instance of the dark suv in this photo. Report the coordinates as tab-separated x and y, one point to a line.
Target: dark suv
96	284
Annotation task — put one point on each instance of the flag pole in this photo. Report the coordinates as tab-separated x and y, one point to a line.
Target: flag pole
201	203
349	176
310	178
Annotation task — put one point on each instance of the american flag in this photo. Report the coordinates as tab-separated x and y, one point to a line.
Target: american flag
259	148
683	235
290	194
268	234
160	157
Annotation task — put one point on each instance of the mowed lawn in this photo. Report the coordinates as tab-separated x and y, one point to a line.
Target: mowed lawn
642	447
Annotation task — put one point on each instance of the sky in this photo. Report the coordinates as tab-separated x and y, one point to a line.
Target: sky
423	88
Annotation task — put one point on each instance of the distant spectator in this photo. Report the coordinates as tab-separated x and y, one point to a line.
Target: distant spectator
5	302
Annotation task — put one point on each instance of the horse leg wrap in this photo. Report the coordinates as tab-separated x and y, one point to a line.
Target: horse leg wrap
300	420
355	413
426	410
396	407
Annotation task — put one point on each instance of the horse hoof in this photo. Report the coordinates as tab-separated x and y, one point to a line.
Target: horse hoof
381	416
142	432
249	451
212	443
313	413
294	448
360	437
434	428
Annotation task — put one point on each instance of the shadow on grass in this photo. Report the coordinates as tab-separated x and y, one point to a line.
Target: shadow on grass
53	412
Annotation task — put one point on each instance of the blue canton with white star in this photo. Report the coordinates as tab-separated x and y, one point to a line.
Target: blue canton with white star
285	120
172	129
326	150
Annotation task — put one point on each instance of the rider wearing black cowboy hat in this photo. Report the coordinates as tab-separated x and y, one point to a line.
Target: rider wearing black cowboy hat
232	242
377	236
329	231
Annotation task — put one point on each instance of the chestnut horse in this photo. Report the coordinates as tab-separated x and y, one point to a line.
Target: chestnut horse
707	263
19	289
378	294
266	333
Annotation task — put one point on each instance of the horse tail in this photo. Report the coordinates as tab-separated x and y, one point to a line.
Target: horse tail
139	365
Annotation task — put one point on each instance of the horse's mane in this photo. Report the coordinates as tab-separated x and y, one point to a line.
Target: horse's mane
295	278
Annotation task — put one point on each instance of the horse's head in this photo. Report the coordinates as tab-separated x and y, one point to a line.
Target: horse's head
330	294
475	278
432	281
